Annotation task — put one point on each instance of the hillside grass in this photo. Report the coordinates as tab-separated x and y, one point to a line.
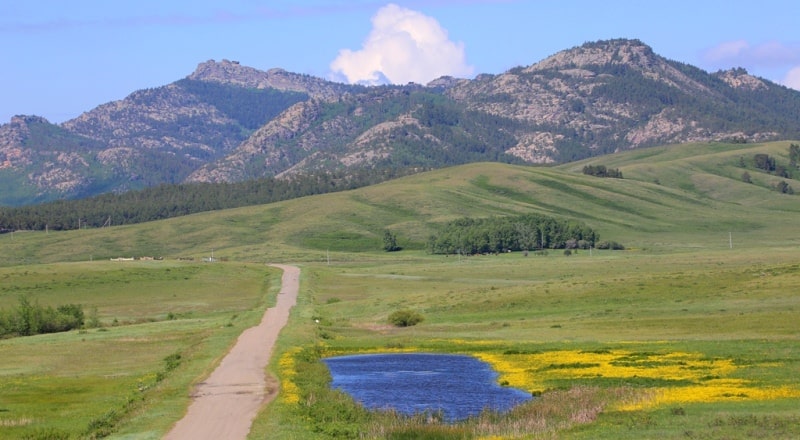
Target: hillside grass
708	281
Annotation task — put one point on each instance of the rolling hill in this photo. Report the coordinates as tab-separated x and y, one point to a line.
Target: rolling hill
672	198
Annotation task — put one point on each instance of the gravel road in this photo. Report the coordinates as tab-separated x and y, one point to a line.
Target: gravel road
225	404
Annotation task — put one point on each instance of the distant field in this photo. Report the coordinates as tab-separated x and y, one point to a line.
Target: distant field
691	332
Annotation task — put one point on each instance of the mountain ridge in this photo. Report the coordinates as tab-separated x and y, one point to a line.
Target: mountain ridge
226	122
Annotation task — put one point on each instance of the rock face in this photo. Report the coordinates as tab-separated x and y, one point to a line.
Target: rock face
231	72
13	155
739	79
228	122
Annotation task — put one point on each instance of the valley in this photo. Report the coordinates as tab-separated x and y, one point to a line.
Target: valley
689	331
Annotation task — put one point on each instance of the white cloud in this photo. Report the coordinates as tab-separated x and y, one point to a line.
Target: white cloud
403	46
792	78
726	50
741	53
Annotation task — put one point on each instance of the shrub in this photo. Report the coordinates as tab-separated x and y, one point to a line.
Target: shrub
784	188
405	318
30	318
390	241
613	245
47	434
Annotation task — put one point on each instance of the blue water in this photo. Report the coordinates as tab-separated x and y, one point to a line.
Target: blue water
459	386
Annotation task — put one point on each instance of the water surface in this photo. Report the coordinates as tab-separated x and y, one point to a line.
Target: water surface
459	386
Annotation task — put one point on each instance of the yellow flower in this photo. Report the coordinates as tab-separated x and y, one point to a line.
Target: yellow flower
289	390
697	378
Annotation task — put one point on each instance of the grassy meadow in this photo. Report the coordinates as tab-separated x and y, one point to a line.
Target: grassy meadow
691	332
162	327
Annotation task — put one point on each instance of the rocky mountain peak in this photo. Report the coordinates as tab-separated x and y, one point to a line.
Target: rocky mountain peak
620	51
232	72
445	82
595	58
13	134
739	79
21	120
229	122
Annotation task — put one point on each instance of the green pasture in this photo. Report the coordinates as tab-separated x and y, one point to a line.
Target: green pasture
737	306
82	383
698	202
711	268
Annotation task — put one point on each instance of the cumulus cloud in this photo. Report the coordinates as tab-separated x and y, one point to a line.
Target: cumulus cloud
403	46
773	56
792	78
726	51
768	54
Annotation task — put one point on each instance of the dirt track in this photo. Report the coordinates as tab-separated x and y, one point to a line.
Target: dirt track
225	405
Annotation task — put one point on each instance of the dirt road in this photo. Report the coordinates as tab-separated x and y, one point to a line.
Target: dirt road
225	405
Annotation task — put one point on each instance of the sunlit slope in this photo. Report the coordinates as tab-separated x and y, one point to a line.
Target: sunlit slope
672	198
708	170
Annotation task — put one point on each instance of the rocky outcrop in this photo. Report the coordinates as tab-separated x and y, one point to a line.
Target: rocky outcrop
231	72
597	98
740	79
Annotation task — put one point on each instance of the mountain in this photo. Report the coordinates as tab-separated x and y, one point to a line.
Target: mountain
226	122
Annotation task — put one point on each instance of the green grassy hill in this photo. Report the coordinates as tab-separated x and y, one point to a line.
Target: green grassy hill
677	197
679	336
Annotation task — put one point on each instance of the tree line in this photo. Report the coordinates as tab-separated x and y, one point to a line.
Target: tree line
167	201
519	233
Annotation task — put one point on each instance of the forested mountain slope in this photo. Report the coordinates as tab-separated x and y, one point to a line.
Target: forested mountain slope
229	123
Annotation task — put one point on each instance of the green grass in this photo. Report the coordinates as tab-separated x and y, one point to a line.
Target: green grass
739	306
118	374
680	287
700	200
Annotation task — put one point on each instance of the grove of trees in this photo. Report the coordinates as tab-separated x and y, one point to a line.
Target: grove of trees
602	171
519	233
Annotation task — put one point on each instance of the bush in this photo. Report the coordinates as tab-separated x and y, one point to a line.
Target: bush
390	241
405	318
784	188
613	245
30	318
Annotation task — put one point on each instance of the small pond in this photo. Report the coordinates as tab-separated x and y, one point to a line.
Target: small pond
459	386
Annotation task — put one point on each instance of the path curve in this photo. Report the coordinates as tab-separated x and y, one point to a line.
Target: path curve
224	406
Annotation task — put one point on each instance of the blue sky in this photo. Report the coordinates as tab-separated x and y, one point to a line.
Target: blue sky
61	57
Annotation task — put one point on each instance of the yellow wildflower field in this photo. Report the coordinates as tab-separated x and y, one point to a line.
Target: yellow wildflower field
691	377
670	377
